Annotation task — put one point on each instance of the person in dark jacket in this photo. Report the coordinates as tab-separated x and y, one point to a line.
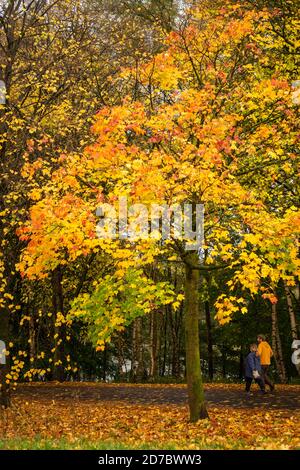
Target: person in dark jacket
253	370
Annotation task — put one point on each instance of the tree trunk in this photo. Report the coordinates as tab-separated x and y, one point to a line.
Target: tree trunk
175	322
294	329
276	346
4	369
137	366
121	361
175	359
193	368
32	338
241	364
59	331
209	340
104	362
164	331
208	326
224	362
154	345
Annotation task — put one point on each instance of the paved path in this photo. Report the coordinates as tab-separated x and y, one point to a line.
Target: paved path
284	398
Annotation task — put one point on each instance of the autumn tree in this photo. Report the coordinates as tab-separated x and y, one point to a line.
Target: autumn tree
210	112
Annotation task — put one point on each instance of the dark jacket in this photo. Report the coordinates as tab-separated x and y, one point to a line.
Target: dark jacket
252	363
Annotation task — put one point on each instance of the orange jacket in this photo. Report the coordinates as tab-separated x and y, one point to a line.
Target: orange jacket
264	351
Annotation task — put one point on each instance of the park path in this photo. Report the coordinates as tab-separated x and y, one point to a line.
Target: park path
284	398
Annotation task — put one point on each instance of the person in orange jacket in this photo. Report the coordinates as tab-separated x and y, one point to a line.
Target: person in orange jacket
264	351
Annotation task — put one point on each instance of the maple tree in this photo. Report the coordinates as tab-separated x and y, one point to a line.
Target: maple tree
212	112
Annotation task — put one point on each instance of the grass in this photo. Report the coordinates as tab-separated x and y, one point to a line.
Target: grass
39	443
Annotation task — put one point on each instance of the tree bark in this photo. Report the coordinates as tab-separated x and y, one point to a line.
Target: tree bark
32	338
104	362
154	345
196	397
294	329
224	361
59	331
209	340
175	323
276	346
164	331
241	364
121	361
137	366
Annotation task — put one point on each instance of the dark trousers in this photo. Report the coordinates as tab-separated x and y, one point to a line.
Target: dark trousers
268	381
259	381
